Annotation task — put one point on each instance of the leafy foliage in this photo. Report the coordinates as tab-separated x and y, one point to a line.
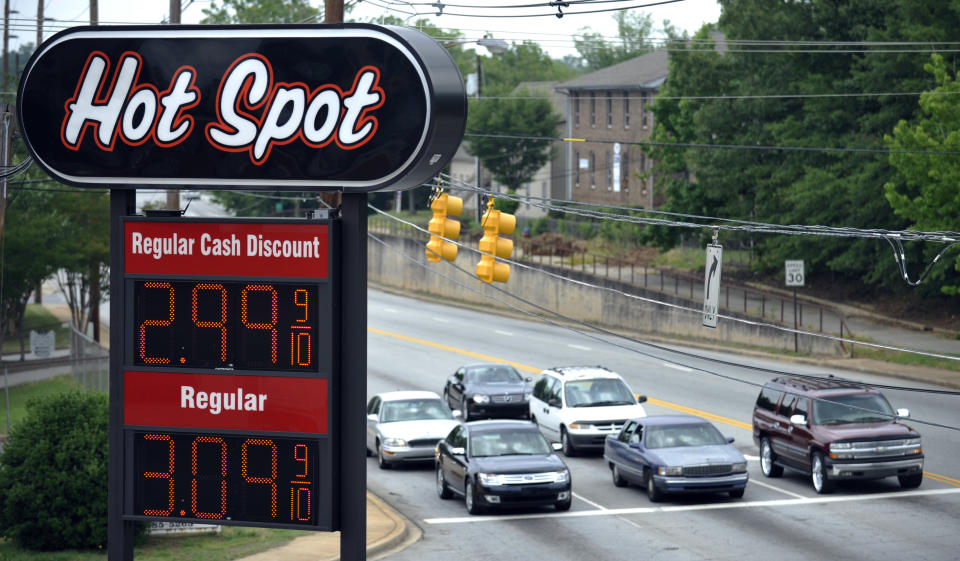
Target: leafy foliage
633	28
53	473
260	11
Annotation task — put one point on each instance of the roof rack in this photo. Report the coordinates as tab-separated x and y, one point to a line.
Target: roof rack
813	383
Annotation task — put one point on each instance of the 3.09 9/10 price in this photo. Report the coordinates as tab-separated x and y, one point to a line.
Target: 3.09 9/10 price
225	325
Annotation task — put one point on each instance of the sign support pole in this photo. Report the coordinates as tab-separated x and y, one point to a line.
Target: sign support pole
123	202
353	378
796	344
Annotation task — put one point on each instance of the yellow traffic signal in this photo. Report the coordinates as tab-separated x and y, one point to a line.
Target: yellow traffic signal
492	245
442	227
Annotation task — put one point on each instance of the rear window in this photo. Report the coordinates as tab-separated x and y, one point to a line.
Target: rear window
768	399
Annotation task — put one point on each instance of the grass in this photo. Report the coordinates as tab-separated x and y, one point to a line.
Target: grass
232	543
909	359
39	318
21	394
682	259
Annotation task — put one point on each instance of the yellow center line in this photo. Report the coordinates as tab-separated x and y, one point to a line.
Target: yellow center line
650	400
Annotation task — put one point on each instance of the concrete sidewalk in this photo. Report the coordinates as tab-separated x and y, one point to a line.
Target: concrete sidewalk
387	532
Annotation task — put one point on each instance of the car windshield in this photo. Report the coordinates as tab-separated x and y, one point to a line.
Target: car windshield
683	435
501	374
856	408
508	443
414	410
597	393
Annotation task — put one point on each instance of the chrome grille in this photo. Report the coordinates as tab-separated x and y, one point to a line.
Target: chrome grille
879	449
527	478
507	398
707	470
423	442
606	426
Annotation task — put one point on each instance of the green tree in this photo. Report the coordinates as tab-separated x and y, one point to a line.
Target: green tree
512	161
925	189
524	62
260	11
634	29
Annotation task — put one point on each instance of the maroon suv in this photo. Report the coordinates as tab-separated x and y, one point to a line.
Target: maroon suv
834	429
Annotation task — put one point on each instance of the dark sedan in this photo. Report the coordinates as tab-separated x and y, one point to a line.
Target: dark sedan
675	454
501	464
488	390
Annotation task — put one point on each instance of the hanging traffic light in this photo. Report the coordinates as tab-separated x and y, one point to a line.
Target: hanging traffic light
492	245
440	227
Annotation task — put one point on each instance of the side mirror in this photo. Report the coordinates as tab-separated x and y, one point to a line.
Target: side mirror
798	420
641	398
903	413
556	446
554	402
528	379
457	414
458	451
372	417
635	445
730	440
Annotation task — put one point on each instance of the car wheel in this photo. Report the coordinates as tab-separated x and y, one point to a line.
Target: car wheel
564	505
618	480
464	412
654	494
737	493
470	495
911	481
767	467
818	475
567	445
443	491
381	461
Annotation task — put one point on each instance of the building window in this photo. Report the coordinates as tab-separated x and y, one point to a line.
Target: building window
576	110
626	110
576	166
643	109
625	168
609	172
609	110
593	111
593	170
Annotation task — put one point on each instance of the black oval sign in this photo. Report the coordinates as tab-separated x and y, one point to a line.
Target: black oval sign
355	107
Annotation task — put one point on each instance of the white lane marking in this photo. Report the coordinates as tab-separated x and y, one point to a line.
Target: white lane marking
578	347
441	320
686	508
501	332
677	367
775	488
589	502
751	458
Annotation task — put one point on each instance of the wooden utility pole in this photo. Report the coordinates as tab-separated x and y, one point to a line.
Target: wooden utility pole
6	134
6	42
173	195
332	13
39	23
94	13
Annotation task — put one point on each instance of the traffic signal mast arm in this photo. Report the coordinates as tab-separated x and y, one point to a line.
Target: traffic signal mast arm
492	245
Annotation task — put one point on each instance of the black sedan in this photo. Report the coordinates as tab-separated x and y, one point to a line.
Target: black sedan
501	464
488	390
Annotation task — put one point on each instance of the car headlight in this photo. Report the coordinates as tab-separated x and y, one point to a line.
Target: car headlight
562	476
670	470
739	466
480	398
581	426
841	446
489	479
394	442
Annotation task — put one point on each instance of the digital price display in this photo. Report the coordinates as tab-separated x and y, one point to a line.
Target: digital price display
220	477
234	325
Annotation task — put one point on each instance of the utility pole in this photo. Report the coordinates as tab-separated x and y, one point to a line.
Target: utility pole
39	24
173	195
6	43
94	13
6	134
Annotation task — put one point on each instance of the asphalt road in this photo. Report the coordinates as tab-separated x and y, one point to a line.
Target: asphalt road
414	344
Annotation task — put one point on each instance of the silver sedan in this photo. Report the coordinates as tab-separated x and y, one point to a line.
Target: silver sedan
405	426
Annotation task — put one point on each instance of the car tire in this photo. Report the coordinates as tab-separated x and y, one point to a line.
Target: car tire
818	475
737	493
443	490
464	412
563	506
767	457
567	445
655	495
911	481
618	480
381	461
470	496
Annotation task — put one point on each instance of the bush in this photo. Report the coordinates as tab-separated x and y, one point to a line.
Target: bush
53	474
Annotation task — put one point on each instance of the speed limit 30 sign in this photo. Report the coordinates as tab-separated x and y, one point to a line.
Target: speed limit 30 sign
794	273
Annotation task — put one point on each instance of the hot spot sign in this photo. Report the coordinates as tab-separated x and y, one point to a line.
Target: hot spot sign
354	107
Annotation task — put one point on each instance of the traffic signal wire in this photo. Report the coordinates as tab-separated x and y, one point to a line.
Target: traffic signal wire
654	346
677	306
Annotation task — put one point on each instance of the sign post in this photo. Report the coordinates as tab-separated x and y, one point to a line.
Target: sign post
711	285
238	376
794	278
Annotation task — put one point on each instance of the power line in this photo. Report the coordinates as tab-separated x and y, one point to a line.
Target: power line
720	97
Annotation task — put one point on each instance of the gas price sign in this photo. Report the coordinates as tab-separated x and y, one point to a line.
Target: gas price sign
228	372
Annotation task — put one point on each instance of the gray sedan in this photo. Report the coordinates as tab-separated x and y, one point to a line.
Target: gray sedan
405	426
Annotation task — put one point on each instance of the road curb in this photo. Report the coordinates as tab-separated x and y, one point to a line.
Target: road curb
404	534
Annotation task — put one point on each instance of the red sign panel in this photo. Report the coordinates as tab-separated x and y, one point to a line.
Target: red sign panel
226	249
224	401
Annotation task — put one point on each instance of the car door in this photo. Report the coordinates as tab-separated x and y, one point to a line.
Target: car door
455	459
373	409
634	459
548	417
799	434
781	437
455	388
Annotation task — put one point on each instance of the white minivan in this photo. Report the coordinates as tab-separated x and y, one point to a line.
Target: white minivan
580	405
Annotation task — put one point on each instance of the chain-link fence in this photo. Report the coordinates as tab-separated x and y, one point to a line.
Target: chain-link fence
89	362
